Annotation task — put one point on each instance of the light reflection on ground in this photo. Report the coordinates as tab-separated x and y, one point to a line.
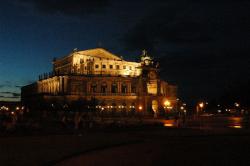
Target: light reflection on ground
210	122
169	123
235	122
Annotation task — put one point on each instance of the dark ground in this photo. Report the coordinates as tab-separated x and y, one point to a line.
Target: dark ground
144	145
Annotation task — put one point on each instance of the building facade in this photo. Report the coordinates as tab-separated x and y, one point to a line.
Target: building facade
96	74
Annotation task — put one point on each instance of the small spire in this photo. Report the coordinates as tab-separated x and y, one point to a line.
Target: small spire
99	44
144	52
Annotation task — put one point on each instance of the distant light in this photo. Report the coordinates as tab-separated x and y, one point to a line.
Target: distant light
140	107
182	108
237	104
236	126
219	111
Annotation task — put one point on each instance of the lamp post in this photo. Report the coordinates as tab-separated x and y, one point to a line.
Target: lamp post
199	107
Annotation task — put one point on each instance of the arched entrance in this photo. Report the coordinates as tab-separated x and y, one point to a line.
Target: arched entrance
155	107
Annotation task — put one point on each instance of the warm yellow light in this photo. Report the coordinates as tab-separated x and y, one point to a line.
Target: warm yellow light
167	103
168	125
182	108
17	108
201	105
140	107
236	126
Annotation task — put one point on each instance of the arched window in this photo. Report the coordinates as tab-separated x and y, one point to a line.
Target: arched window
104	87
124	88
114	88
94	88
133	88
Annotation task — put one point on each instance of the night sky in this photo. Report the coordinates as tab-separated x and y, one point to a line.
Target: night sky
203	47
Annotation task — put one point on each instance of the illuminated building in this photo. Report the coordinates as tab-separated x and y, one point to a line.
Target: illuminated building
115	84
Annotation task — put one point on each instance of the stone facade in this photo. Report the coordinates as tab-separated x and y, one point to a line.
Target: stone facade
97	74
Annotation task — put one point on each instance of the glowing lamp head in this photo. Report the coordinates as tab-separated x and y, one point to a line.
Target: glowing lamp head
201	105
237	104
167	103
140	107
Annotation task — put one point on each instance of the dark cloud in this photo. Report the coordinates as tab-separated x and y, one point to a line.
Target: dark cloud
10	94
203	46
67	7
196	23
207	76
16	94
6	84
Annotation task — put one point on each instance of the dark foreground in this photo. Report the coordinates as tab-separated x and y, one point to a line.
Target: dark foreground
144	145
160	149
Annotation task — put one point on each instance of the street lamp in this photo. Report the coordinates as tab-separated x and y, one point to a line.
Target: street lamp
140	108
201	105
167	103
237	104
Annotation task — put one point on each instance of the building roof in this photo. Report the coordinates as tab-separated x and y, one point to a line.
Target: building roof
99	53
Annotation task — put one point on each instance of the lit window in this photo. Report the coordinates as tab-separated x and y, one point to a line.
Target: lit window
117	67
96	66
81	61
111	66
104	66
